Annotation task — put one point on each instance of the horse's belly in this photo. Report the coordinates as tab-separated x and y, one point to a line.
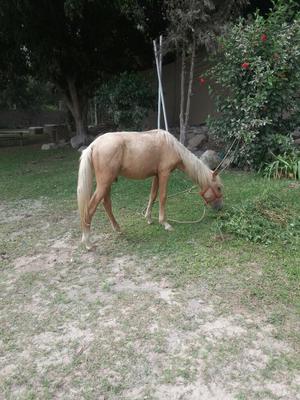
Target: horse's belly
137	172
140	162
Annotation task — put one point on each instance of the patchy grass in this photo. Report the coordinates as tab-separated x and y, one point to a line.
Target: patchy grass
191	250
199	311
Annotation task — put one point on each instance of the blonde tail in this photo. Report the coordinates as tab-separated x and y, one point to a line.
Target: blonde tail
84	186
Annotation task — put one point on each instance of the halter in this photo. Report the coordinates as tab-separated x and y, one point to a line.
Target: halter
216	194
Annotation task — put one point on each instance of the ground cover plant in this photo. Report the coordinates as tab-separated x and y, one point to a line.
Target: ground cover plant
263	219
207	311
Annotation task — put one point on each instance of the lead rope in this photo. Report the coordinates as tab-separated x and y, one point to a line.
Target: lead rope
189	190
194	186
190	222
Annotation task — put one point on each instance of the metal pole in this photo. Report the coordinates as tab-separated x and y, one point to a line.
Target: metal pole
95	112
159	93
160	85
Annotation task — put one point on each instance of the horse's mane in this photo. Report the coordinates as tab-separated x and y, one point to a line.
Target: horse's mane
195	168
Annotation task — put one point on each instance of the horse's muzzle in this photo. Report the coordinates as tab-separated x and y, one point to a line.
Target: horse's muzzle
217	204
212	197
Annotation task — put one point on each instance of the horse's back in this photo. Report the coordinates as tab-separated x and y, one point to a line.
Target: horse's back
133	143
135	155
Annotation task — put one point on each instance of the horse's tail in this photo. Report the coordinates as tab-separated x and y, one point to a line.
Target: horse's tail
85	184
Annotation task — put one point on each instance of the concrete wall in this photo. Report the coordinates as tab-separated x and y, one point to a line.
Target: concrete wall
12	119
201	103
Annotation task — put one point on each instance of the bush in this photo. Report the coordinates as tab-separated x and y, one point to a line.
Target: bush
126	100
258	68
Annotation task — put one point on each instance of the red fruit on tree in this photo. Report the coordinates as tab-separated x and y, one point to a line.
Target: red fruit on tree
263	37
245	65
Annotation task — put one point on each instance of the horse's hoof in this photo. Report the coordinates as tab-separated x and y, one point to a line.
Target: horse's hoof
117	229
89	246
149	221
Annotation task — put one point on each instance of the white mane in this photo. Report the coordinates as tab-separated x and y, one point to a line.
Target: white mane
195	168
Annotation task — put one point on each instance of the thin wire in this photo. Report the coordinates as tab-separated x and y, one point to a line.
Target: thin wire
226	166
226	155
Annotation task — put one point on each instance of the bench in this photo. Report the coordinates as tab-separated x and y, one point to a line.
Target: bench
13	135
9	135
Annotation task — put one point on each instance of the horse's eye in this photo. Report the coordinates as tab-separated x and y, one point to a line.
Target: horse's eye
219	188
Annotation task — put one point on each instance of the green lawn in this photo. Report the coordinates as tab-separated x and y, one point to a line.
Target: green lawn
190	250
148	312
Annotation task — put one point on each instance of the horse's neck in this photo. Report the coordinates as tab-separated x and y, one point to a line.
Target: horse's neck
195	168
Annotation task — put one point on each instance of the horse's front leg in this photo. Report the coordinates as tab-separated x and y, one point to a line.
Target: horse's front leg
152	198
163	183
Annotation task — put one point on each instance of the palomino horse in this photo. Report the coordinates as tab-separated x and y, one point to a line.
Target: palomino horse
138	155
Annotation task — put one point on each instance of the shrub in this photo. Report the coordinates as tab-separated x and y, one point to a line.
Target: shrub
257	67
126	100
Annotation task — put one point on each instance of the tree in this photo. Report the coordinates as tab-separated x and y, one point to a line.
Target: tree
75	44
12	61
29	94
192	24
126	100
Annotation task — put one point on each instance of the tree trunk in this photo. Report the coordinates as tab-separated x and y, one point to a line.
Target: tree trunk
182	85
185	95
78	105
191	78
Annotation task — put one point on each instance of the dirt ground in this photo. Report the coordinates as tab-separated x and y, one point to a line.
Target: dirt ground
99	325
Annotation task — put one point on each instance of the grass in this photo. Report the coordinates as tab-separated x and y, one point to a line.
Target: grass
255	272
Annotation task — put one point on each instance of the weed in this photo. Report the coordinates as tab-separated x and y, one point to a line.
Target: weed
283	166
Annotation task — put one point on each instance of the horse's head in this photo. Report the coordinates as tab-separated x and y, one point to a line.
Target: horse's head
212	193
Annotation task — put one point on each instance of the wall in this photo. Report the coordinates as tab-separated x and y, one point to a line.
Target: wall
13	119
201	103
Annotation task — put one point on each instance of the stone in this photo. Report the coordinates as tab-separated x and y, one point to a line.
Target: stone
81	148
197	141
198	153
196	130
297	142
296	133
77	142
48	146
211	159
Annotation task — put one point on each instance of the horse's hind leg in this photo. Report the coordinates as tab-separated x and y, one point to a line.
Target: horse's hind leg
152	198
98	195
108	209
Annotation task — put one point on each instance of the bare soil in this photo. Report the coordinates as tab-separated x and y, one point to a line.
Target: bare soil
96	325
